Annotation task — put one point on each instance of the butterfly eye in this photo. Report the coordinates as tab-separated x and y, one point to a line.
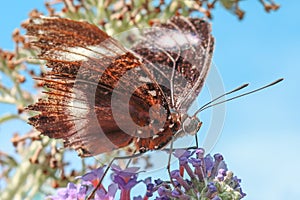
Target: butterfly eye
191	125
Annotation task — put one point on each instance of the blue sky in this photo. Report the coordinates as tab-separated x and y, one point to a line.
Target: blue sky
260	138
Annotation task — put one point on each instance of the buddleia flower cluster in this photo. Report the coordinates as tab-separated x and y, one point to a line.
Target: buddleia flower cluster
197	177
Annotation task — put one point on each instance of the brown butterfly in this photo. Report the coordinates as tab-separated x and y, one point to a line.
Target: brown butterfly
102	96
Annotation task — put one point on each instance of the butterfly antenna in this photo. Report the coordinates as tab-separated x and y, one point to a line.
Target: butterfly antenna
227	93
245	94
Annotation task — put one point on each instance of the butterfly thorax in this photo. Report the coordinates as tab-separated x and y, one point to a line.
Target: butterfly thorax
163	136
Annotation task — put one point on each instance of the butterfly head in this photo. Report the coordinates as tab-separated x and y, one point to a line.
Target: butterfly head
190	125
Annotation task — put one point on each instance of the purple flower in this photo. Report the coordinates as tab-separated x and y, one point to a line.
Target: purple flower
176	175
176	193
218	157
236	180
221	174
101	194
179	153
211	190
72	191
158	181
200	153
83	190
179	194
93	177
209	163
126	179
184	163
218	164
125	183
235	184
130	171
197	164
163	191
150	189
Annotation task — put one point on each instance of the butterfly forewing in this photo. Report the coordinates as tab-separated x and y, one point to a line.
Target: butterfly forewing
102	97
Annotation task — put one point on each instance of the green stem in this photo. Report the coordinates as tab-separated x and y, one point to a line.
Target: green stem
8	117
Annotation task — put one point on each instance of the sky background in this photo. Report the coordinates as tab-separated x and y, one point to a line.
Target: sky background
260	139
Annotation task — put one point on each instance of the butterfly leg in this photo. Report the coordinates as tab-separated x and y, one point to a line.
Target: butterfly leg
187	148
169	163
197	144
171	149
130	159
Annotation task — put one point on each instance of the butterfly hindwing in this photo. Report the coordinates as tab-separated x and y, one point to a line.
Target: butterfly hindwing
179	53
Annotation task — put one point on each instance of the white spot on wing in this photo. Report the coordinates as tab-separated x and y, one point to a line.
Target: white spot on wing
38	21
144	79
155	136
174	39
108	48
67	56
84	51
41	32
152	92
78	109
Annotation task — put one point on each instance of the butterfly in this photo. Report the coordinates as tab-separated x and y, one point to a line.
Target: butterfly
102	96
